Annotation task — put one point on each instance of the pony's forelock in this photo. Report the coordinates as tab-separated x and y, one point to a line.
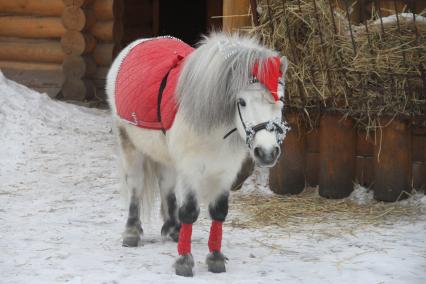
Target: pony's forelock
213	75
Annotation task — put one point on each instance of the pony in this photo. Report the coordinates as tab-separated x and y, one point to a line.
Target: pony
226	97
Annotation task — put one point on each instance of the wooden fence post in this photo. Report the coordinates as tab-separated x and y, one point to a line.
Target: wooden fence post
392	161
337	156
419	159
288	176
236	14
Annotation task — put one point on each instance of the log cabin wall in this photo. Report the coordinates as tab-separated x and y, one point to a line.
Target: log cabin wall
61	47
30	48
65	47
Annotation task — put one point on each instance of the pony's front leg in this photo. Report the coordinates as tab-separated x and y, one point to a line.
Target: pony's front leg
188	214
218	210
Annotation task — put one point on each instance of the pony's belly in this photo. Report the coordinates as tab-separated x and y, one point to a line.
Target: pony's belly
151	143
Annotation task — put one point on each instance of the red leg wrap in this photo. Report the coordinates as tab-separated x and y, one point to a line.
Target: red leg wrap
184	243
215	239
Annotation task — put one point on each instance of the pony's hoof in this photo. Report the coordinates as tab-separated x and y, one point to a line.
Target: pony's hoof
171	230
216	262
131	241
131	236
184	265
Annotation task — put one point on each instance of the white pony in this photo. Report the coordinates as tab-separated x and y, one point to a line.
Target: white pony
229	100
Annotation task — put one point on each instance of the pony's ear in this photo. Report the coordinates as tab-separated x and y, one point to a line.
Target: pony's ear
283	64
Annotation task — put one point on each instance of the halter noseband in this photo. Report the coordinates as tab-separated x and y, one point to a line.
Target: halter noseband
274	125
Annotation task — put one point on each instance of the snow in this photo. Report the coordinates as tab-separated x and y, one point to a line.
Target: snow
409	17
61	217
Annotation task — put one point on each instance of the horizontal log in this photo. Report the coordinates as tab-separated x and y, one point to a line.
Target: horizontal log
32	7
104	9
78	19
24	66
31	27
75	66
108	31
41	51
44	78
78	3
103	54
77	43
78	89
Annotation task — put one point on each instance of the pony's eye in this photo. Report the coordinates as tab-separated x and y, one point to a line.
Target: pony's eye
241	102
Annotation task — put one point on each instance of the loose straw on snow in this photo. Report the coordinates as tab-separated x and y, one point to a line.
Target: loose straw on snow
308	208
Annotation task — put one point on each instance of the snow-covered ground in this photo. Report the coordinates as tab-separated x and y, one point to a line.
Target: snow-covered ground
61	216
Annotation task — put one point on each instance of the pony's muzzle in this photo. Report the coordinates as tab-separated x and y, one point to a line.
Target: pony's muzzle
266	157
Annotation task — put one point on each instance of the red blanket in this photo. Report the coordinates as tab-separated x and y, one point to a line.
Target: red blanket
139	79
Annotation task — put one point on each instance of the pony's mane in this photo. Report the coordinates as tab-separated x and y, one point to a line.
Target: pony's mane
213	75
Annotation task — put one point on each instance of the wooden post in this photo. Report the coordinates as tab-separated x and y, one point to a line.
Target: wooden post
103	54
419	159
245	172
236	14
108	33
312	157
392	161
337	152
288	176
78	17
364	159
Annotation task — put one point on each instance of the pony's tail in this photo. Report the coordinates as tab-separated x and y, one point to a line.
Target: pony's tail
150	189
140	180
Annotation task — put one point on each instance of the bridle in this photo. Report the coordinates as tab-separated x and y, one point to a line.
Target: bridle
274	125
270	80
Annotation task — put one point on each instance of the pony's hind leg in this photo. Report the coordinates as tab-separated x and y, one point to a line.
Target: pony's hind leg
171	224
131	235
132	170
218	210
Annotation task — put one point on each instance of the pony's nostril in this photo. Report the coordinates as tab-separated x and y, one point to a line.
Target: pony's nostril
258	152
276	151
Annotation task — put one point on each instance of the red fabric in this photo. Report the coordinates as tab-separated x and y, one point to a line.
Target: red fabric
215	239
184	242
271	72
139	78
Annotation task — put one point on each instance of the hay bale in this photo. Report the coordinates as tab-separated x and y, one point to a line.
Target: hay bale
386	71
305	33
382	76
